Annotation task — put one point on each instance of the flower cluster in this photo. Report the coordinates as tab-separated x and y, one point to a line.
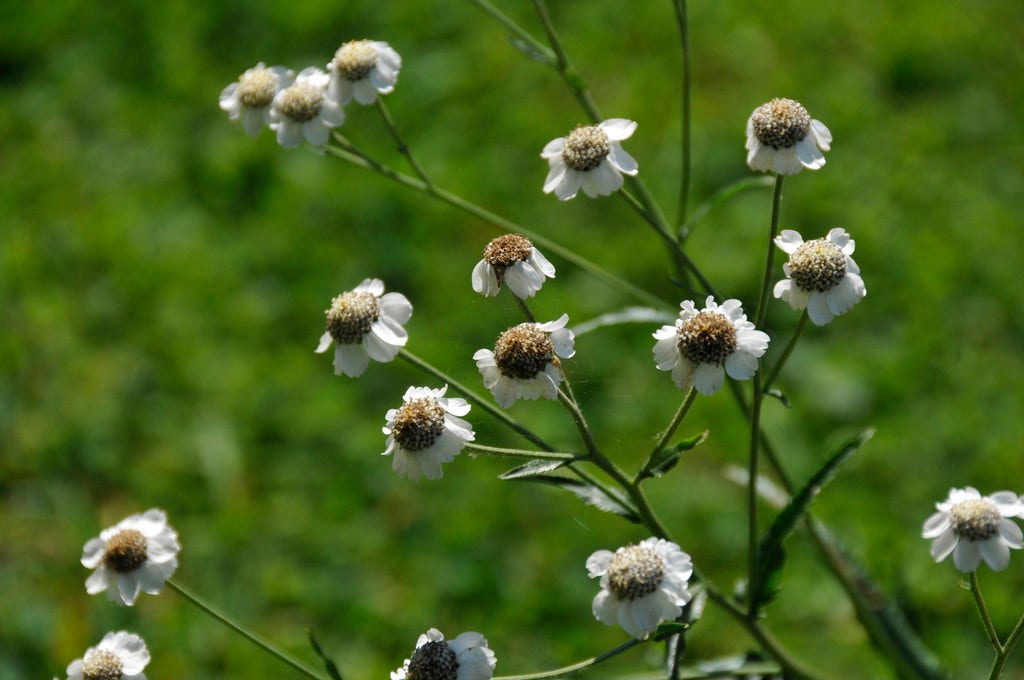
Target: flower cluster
425	431
308	105
973	528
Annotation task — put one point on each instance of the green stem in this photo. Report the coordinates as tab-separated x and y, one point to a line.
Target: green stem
719	197
524	307
522	453
800	326
349	153
476	399
248	635
682	18
539	49
762	303
564	66
1000	661
752	532
667	434
567	670
986	620
403	148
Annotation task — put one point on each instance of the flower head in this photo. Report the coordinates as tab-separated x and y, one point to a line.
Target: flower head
426	431
782	137
139	553
591	157
705	344
820	275
118	656
511	259
303	109
975	528
365	324
641	585
250	97
467	657
524	363
362	69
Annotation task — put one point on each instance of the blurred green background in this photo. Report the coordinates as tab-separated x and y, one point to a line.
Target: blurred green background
163	276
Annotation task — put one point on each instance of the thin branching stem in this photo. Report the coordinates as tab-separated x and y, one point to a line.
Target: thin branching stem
762	302
522	453
538	48
686	145
986	620
681	412
576	667
800	326
403	148
999	663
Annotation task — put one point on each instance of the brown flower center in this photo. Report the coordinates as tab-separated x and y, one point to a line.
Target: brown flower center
976	519
635	571
418	424
781	123
125	551
585	148
100	664
301	102
817	265
257	87
354	60
707	338
523	351
351	316
435	660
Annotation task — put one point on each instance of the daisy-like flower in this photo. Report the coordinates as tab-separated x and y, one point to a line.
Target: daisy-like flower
250	97
362	69
303	110
118	656
511	259
975	528
467	657
820	275
524	363
641	585
426	431
592	157
139	553
705	344
782	137
365	324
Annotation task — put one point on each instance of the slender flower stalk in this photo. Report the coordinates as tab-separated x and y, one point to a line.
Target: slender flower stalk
252	637
403	148
800	326
573	668
986	620
682	19
999	663
681	412
766	284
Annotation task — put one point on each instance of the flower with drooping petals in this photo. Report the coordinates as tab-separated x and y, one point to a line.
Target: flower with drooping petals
975	528
783	138
591	157
250	97
641	585
303	110
365	323
118	656
138	554
425	431
467	657
363	69
705	344
511	259
525	361
820	275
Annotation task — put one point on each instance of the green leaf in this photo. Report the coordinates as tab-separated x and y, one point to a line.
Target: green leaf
615	503
533	468
770	558
668	458
332	669
624	316
667	629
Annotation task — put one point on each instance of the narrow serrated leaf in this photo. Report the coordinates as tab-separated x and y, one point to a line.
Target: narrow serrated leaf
329	666
768	562
591	495
624	316
668	457
667	629
533	468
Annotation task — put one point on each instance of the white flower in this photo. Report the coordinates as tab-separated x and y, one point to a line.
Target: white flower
250	97
426	431
366	324
511	259
975	528
590	156
524	363
361	69
705	344
820	275
467	657
139	553
641	585
782	137
121	655
303	110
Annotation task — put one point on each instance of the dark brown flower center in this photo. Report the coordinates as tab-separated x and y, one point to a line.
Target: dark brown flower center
506	250
435	660
707	338
817	265
781	123
585	148
418	424
635	571
354	60
523	351
125	551
351	316
976	519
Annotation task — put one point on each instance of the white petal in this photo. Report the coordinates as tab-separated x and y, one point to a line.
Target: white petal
708	378
1011	533
351	360
597	563
605	608
388	331
315	132
98	581
364	92
602	180
396	306
740	366
569	186
622	161
844	296
817	309
377	348
943	545
542	264
808	153
331	113
252	121
618	129
789	240
519	282
128	587
683	372
761	157
485	279
995	553
786	162
553	148
935	525
822	133
289	133
966	556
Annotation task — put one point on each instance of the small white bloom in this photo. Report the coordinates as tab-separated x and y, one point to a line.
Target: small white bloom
591	157
426	431
362	69
641	585
365	324
118	656
250	97
975	528
139	553
705	344
303	110
524	363
467	657
820	275
514	260
782	137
